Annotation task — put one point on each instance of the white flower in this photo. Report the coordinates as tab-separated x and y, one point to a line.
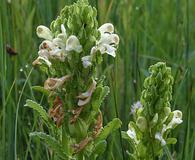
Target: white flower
108	41
73	44
132	134
176	120
159	137
86	61
44	32
56	47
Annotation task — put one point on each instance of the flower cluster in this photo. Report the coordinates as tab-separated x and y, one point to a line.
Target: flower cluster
56	47
69	54
153	116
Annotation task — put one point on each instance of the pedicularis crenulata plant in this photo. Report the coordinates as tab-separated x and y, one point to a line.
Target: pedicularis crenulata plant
153	119
72	49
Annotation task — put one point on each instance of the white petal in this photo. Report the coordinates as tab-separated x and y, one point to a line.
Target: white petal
132	134
58	53
73	44
110	50
59	42
93	50
63	29
109	39
107	27
62	35
43	53
176	120
44	32
159	137
86	61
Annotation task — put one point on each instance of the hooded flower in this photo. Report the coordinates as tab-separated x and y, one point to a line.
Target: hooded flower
176	120
108	40
57	47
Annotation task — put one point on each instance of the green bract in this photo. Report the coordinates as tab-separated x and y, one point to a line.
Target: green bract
153	119
69	55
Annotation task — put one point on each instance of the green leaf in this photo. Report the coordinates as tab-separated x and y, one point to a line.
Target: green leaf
53	144
99	96
109	128
98	149
171	141
41	89
37	107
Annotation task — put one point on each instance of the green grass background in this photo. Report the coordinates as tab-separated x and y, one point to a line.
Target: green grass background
149	30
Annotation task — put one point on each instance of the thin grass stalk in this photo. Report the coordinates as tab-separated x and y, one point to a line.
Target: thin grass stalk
17	111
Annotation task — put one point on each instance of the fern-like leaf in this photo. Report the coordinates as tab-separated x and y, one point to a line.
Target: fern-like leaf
109	128
99	96
53	144
37	107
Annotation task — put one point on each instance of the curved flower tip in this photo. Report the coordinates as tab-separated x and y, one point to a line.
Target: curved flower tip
106	28
62	35
85	97
39	59
55	83
73	44
159	137
86	61
44	32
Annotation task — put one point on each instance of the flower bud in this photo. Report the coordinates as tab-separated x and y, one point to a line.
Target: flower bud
167	111
141	123
154	120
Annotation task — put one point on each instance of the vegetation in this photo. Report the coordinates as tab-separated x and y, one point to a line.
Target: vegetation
149	32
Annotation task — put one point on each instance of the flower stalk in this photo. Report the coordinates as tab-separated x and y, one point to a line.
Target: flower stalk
71	50
153	118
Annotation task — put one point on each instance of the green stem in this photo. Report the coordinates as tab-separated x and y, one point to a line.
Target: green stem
167	153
